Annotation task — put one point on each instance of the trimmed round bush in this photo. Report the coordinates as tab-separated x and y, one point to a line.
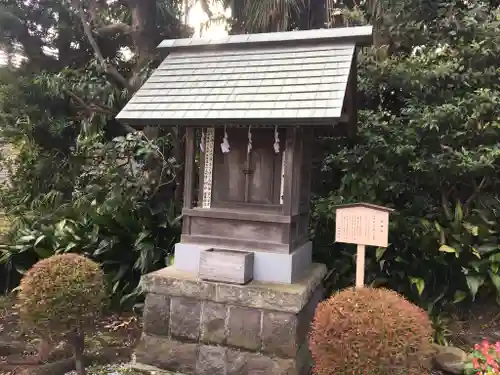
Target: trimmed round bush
370	331
62	294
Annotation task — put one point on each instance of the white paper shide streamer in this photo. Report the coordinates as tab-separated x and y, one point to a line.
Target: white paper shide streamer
249	147
202	141
225	146
276	141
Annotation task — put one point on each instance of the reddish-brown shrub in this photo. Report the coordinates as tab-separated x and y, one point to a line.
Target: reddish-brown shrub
61	294
370	331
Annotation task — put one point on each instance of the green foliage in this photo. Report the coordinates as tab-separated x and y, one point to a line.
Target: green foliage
120	213
79	181
370	331
428	142
440	327
428	146
61	294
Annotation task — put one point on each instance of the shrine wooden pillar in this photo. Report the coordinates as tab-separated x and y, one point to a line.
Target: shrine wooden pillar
189	168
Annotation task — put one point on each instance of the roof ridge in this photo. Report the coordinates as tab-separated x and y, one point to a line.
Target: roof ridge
358	35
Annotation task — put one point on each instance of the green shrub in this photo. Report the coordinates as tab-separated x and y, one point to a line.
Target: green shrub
370	331
61	294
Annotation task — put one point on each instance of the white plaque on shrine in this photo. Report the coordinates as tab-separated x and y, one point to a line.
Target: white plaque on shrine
362	224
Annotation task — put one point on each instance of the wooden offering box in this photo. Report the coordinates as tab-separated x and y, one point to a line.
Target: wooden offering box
226	266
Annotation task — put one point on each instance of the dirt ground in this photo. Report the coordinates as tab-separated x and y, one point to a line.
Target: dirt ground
474	323
112	341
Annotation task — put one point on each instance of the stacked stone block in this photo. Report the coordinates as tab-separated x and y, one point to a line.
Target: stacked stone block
205	328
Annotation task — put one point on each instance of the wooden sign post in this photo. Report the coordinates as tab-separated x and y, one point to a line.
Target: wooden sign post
362	224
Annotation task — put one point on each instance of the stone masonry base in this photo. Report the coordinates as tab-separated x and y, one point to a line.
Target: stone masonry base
196	327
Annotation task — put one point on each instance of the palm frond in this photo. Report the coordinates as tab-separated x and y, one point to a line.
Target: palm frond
271	14
166	10
215	20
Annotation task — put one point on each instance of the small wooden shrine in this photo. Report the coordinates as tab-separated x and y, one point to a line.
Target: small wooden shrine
250	105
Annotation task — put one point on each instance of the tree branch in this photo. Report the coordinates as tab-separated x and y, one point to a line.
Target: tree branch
94	107
86	106
477	190
128	128
444	203
103	28
206	8
114	29
108	68
12	347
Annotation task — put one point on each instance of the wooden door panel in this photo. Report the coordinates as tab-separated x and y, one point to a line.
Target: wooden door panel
261	179
233	182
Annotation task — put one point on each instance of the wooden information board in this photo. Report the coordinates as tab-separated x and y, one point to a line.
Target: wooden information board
362	224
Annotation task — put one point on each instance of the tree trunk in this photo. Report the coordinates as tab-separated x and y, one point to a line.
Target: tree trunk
144	33
238	17
318	14
77	341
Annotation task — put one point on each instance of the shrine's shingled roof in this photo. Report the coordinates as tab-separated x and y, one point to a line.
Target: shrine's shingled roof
295	77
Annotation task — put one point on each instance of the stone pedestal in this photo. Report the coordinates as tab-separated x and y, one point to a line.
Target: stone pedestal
269	266
198	327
